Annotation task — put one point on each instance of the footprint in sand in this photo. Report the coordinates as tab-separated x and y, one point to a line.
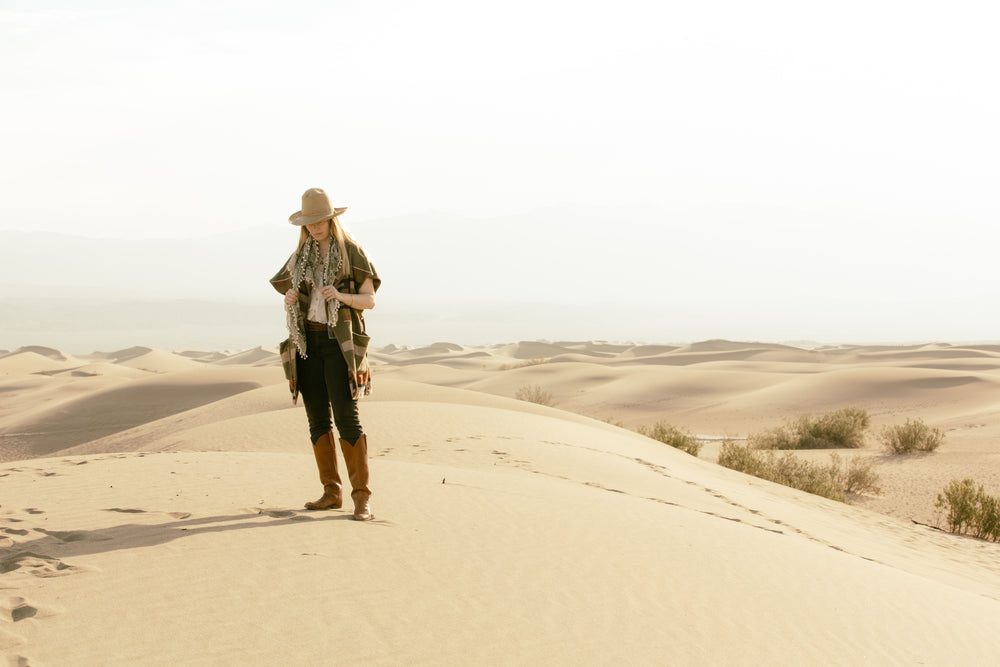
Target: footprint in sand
33	510
17	608
37	565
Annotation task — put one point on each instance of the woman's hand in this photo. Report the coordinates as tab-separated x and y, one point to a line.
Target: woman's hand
330	293
291	296
365	298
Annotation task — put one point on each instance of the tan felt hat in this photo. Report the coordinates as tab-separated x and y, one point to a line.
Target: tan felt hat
315	207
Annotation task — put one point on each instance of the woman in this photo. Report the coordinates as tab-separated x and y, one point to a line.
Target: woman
328	282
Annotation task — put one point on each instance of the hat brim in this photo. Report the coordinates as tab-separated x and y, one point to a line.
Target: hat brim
298	219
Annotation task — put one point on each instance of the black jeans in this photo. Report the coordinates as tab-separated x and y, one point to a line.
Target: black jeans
323	383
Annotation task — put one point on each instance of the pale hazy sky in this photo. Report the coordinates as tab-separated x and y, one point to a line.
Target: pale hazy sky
834	160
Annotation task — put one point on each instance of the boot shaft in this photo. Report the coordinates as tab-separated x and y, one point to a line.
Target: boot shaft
356	458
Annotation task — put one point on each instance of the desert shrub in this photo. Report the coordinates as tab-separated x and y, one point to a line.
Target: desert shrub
672	436
786	469
743	458
781	437
970	510
913	436
808	476
959	498
833	481
989	517
859	476
534	394
844	428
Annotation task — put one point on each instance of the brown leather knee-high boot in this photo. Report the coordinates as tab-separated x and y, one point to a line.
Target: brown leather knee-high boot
356	458
326	461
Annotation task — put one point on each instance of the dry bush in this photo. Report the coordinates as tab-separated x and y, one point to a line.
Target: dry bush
832	481
672	436
534	394
970	510
780	437
844	428
913	436
859	476
744	458
787	469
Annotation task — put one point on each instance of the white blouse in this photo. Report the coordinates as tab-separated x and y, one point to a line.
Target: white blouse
317	303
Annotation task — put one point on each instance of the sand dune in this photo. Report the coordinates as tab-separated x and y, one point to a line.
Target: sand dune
41	350
720	345
99	368
506	532
927	354
46	427
534	350
647	350
426	351
258	356
202	355
450	359
885	389
159	361
24	362
124	354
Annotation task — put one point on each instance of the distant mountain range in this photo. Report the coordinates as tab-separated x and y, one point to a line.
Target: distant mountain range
444	277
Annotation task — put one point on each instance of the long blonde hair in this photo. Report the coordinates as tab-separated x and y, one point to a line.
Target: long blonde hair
338	232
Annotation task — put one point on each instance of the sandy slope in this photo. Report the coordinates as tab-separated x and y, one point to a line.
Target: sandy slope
166	519
726	388
46	427
26	362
